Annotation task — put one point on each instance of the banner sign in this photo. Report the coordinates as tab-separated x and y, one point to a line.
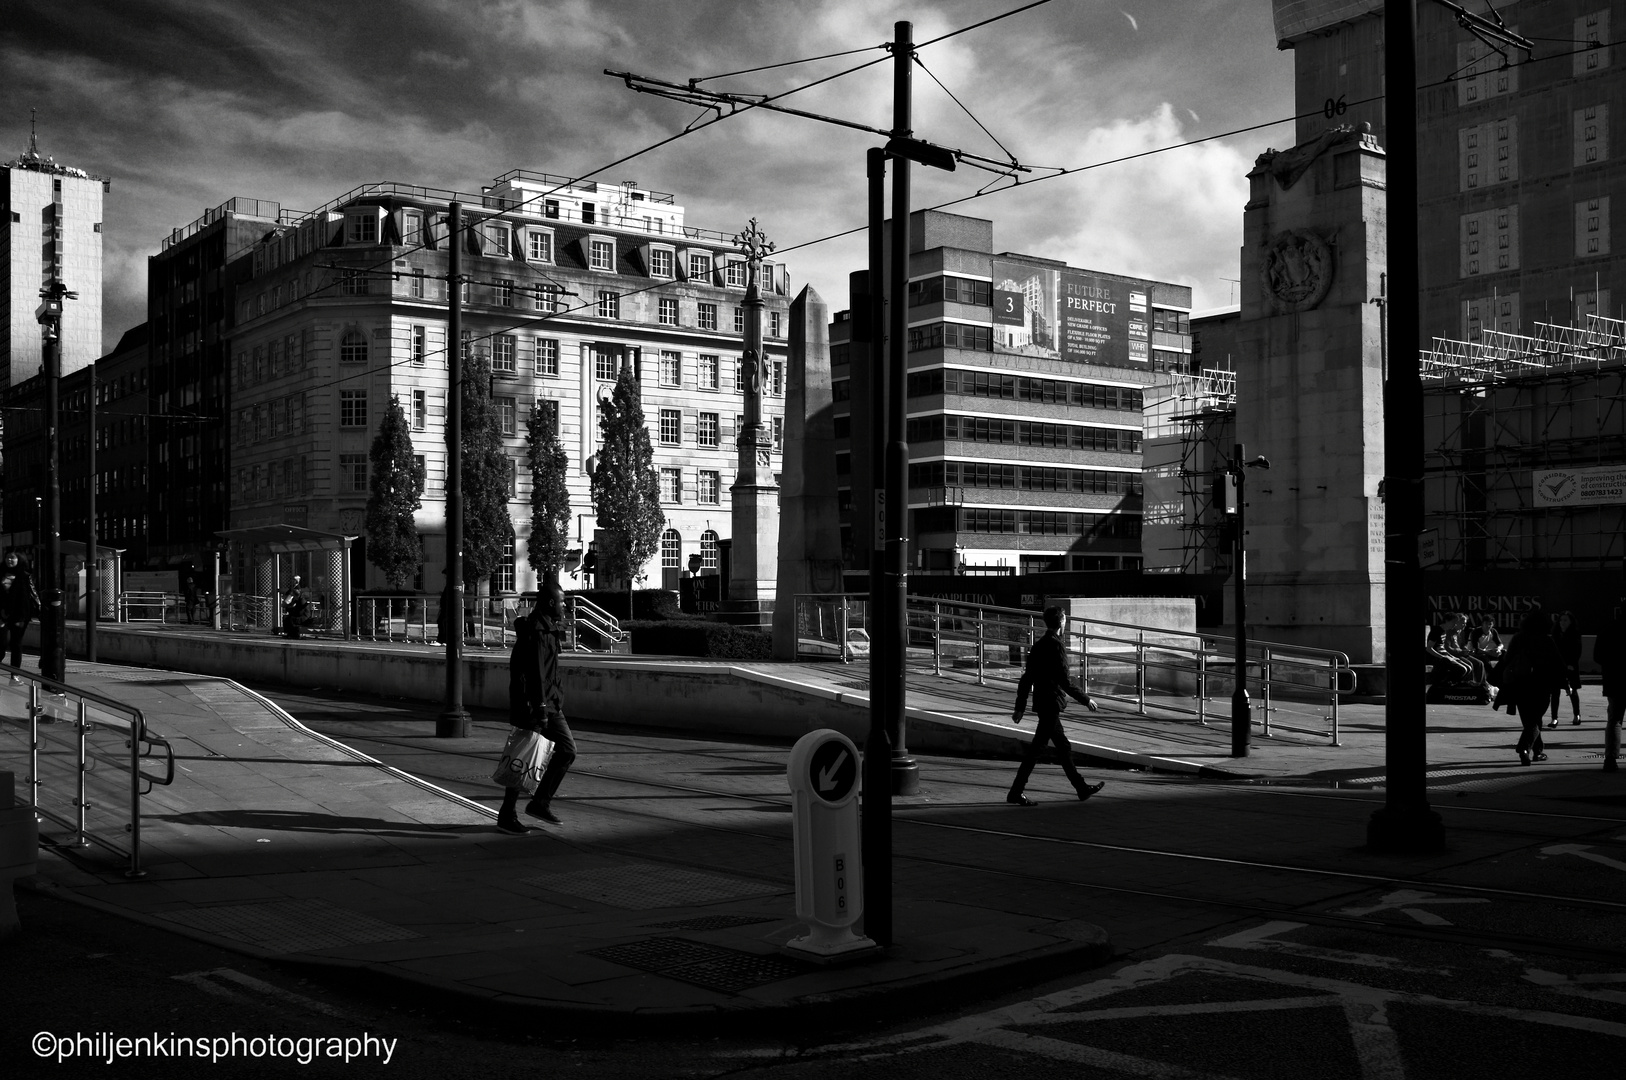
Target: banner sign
1071	315
1580	487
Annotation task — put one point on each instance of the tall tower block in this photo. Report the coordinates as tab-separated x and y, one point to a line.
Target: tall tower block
52	230
1310	393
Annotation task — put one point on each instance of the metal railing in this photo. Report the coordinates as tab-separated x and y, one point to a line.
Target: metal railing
589	628
141	606
87	758
1182	672
488	621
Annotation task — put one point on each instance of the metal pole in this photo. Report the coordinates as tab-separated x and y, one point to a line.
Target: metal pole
1241	710
80	802
453	722
92	591
1405	822
905	773
876	822
52	661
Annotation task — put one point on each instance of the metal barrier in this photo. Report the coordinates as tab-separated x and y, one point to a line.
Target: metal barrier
488	621
136	607
70	736
1171	671
247	611
585	619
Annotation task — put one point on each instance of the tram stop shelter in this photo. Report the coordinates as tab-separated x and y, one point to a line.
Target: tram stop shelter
271	547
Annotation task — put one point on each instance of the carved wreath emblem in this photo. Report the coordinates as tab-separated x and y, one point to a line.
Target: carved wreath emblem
1297	270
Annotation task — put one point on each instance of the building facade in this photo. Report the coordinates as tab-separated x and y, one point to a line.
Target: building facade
563	285
1026	384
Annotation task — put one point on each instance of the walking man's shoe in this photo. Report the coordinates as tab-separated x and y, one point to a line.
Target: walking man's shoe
541	813
1090	789
510	823
1020	800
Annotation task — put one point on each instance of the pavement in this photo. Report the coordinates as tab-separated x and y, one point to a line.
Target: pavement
670	892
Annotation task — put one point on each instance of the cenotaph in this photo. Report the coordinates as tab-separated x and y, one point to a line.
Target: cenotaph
753	570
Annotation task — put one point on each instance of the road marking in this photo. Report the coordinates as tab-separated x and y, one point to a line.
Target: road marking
205	981
1080	1054
1405	900
1573	985
1585	852
1263	939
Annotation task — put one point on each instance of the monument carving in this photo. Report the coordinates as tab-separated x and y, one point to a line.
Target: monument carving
1296	270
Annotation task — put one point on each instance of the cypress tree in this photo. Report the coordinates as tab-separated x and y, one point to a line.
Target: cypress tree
626	490
550	497
487	472
396	493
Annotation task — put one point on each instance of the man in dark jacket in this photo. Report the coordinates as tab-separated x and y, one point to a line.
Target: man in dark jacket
1045	676
536	701
1610	653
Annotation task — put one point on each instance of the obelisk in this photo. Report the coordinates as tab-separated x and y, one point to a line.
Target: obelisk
753	573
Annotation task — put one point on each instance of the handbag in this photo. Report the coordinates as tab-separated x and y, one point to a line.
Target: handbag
524	758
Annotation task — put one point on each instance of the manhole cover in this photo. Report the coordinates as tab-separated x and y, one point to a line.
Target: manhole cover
646	886
712	922
711	967
289	926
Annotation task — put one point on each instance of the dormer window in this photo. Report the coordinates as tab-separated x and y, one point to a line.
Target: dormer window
497	239
700	266
539	245
660	263
735	274
361	226
600	254
412	226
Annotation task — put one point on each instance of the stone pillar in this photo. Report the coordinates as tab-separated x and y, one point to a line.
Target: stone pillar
753	571
809	527
1310	394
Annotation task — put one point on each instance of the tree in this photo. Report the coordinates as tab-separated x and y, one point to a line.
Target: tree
550	498
487	473
626	491
393	544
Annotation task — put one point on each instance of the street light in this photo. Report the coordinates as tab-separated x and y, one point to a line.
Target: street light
1241	709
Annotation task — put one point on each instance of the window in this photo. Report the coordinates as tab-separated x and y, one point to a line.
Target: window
547	357
497	240
774	328
351	283
352	408
739	320
706	433
711	487
507	415
609	304
778	433
502	577
545	297
671	485
420	410
605	365
550	208
589	213
417	285
735	274
601	255
539	245
699	266
361	229
671	368
660	263
420	345
671	550
707	316
504	291
708	550
668	311
671	427
353	347
709	366
776	378
412	226
502	354
739	374
353	472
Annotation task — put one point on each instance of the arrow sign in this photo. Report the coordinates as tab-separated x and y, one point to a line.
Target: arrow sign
1584	852
832	770
827	777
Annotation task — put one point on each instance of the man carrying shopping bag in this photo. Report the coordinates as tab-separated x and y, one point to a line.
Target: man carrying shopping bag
536	707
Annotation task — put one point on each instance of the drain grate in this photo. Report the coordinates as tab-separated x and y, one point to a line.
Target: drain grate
646	886
712	922
289	926
710	967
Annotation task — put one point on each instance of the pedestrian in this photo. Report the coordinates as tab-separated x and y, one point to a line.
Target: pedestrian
536	701
189	593
1531	670
293	608
1567	636
1487	643
590	564
19	606
1609	652
1045	676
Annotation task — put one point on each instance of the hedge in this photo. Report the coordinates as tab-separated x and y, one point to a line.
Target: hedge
700	637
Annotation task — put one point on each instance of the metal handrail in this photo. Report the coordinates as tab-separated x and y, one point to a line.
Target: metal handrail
582	611
140	742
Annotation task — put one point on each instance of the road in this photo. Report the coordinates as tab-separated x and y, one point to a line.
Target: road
1254	938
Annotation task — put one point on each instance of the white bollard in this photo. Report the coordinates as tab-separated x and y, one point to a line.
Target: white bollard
823	777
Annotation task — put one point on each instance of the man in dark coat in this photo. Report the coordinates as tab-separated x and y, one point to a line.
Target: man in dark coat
1609	650
536	701
19	605
1045	676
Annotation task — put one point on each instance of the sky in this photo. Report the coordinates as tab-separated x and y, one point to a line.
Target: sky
188	103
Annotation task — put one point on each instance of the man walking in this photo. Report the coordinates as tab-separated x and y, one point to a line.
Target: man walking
536	701
1045	676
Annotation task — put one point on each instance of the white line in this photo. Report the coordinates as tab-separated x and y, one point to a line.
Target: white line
1261	938
201	981
1078	1053
278	992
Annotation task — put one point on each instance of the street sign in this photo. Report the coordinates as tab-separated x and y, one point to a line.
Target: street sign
823	778
833	770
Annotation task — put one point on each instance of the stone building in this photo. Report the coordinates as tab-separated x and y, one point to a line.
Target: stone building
1027	379
565	283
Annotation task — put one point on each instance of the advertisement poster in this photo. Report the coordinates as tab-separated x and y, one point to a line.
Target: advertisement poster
1580	487
1071	315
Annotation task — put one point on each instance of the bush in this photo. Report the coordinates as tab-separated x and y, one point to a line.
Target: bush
700	637
647	604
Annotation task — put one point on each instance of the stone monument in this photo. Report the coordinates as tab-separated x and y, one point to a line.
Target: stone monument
1310	393
753	567
809	526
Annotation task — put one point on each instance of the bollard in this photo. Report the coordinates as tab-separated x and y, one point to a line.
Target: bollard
823	778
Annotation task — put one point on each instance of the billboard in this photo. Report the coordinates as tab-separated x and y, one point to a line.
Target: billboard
1071	315
1579	487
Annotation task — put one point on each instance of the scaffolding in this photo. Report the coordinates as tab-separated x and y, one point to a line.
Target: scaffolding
1502	409
1192	420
